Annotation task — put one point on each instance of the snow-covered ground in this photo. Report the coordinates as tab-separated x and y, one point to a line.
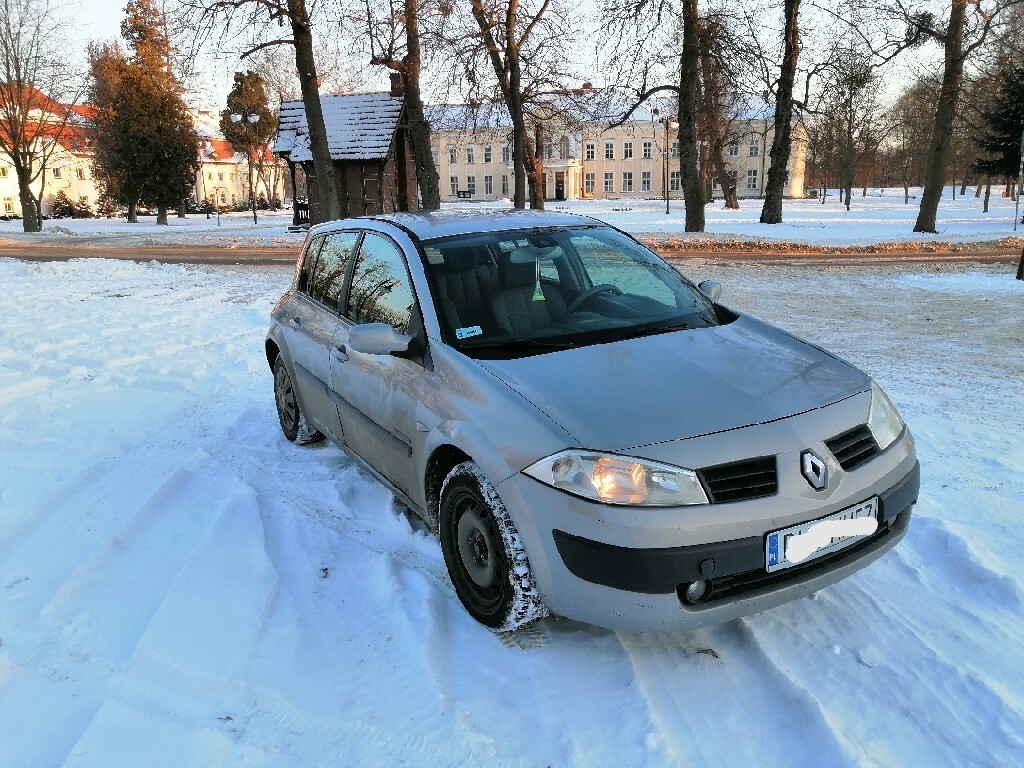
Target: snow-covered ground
880	217
181	586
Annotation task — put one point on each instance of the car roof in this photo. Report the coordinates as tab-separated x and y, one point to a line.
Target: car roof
428	225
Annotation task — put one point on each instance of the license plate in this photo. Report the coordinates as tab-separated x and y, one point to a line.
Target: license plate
808	541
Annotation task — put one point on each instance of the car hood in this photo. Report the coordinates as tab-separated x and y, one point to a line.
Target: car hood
648	390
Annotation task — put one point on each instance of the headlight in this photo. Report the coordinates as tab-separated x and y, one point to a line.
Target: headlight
619	479
883	420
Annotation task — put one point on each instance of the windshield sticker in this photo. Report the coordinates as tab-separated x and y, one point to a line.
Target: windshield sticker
465	333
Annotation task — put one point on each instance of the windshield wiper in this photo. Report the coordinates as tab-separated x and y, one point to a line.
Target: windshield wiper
521	344
637	333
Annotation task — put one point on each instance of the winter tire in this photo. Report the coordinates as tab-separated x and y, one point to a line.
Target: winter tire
293	422
484	553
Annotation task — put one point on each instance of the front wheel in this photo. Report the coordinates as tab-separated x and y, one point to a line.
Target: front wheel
484	553
293	422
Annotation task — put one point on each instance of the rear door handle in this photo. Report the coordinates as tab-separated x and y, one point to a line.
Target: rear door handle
340	352
296	322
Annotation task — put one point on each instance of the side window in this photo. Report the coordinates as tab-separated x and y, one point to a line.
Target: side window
328	275
308	262
380	291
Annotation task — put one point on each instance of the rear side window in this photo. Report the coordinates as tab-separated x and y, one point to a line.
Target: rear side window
328	276
308	262
380	291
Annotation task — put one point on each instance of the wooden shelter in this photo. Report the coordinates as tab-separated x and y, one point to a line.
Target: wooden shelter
370	145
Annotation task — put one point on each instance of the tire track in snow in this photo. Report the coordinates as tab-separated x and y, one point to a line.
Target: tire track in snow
110	598
749	709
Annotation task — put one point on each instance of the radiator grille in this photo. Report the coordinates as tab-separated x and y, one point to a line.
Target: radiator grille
854	447
741	480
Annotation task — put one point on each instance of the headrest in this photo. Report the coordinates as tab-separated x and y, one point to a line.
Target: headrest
514	274
460	259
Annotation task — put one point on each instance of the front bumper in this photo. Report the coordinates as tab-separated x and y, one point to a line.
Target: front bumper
603	565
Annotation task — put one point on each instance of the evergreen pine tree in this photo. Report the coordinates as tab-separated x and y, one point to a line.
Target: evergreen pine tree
1004	126
147	149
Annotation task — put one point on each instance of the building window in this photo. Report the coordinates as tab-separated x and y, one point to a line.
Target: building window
487	153
434	155
56	173
471	185
234	199
785	182
591	151
714	181
675	148
648	148
564	150
209	175
220	177
8	205
752	178
734	148
549	149
609	150
453	154
755	146
488	185
454	181
469	155
231	177
80	173
588	183
645	181
627	181
3	171
506	154
504	184
609	181
627	150
675	181
223	199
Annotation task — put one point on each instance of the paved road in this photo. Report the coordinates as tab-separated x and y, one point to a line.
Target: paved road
264	255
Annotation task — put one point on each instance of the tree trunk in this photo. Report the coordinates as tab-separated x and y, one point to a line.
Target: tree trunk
977	189
31	213
906	193
181	210
782	141
728	188
988	193
419	129
535	170
945	112
133	212
692	191
963	187
161	214
515	108
327	183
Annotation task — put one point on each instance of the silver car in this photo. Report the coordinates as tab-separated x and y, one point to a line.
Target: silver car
589	433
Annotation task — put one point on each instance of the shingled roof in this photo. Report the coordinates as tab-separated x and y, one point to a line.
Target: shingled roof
360	126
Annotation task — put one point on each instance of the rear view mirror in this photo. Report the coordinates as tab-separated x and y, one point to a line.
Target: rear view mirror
377	339
711	288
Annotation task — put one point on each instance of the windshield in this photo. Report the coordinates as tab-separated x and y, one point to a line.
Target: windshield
508	294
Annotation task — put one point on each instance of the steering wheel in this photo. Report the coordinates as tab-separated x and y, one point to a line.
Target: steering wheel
591	292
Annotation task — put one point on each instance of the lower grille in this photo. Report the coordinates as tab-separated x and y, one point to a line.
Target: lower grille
741	480
854	447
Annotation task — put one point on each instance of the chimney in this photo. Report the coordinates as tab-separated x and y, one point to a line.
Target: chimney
397	85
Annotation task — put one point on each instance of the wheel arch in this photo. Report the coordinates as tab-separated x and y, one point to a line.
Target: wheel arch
442	460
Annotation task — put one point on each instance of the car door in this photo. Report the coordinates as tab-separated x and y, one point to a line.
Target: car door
312	322
376	394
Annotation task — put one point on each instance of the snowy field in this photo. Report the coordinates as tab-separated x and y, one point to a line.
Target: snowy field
881	217
181	586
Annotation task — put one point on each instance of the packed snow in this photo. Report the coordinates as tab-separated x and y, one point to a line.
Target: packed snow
179	585
880	217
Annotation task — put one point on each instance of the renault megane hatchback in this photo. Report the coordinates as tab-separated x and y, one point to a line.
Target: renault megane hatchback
589	433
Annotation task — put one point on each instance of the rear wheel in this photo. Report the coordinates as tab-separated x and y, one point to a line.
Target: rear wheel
484	553
293	422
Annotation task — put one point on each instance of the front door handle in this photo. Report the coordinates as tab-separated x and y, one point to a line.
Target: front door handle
296	322
340	352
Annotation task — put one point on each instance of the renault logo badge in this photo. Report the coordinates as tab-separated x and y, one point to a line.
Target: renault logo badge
814	470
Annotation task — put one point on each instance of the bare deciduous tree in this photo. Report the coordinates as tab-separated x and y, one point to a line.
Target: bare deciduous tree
38	87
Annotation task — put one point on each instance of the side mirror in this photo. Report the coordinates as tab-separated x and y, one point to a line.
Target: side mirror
711	288
377	339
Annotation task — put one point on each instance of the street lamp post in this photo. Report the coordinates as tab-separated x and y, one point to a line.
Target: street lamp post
1020	183
251	118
